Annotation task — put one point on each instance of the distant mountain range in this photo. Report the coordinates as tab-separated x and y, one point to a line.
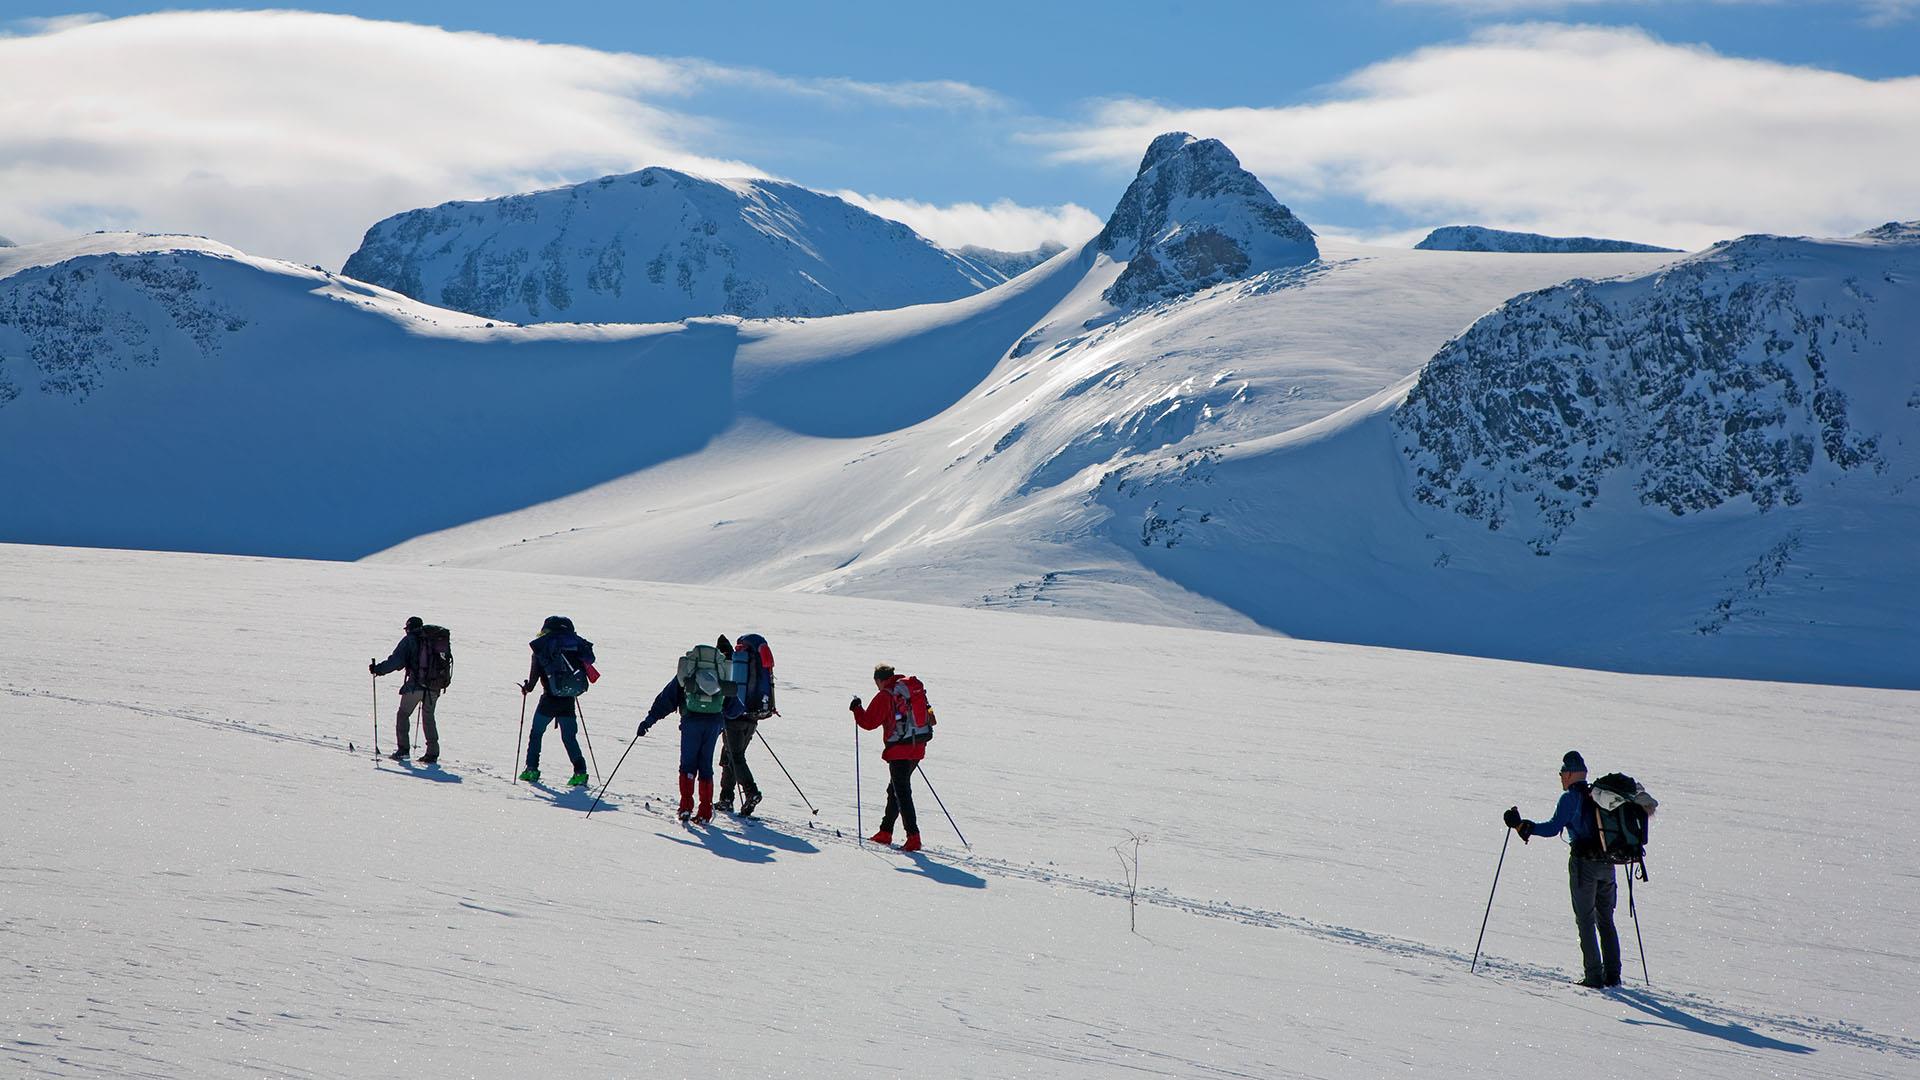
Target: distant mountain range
1204	415
1481	238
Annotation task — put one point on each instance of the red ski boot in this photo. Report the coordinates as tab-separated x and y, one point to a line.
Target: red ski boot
705	814
686	798
884	836
913	842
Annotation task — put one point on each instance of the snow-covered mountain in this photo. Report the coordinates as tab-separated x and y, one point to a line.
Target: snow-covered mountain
1009	264
1255	454
4	242
660	245
1481	238
1193	218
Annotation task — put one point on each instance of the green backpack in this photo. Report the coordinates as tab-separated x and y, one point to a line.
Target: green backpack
705	678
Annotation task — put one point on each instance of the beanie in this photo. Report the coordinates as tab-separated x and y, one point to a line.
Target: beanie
415	623
1573	762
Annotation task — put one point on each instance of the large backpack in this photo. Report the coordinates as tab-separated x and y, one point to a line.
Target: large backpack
433	668
753	675
1621	808
706	659
912	716
564	657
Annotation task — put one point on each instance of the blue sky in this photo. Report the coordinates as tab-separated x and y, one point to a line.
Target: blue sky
1048	100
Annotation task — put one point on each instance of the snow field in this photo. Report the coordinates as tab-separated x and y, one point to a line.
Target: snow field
201	881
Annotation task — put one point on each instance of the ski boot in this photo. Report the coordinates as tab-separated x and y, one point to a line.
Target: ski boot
913	842
397	755
884	836
725	802
578	779
746	805
705	814
531	776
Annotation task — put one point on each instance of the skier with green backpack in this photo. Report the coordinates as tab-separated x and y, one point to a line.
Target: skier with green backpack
702	689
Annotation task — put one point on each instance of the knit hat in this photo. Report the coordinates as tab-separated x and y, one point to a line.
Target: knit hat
1573	762
415	623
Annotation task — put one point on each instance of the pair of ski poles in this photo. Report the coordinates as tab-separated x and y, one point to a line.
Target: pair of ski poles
1631	910
858	803
520	740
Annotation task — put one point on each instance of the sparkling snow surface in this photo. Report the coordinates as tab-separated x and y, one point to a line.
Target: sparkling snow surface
201	881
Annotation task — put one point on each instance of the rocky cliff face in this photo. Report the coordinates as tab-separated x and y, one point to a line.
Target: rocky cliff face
66	327
1734	377
656	246
1481	238
1193	218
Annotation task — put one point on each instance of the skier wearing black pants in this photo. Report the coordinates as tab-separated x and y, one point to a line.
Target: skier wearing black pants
1589	874
906	747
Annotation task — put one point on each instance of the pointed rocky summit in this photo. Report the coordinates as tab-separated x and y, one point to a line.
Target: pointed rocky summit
1194	218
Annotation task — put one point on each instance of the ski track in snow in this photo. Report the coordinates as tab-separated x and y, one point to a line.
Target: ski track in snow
1678	1009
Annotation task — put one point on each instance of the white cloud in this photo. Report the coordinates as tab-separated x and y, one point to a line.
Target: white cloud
1005	224
1570	129
288	133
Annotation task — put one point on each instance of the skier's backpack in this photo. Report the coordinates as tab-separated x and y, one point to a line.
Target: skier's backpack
706	678
1621	808
753	674
565	658
434	668
912	716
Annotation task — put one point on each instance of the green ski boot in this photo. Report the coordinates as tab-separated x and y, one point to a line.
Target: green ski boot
578	779
531	776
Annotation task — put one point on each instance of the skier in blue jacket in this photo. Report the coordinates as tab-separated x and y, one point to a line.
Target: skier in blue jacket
699	734
1589	874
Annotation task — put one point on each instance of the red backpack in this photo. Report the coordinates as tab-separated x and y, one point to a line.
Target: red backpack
912	717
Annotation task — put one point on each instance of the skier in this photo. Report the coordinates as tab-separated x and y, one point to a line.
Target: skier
1589	874
706	701
754	661
906	739
406	657
557	648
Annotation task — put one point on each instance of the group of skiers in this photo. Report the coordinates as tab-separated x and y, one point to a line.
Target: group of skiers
721	692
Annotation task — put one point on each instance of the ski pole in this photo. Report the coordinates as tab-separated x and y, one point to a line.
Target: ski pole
1631	910
520	739
790	779
588	735
1489	914
860	829
616	769
376	717
943	806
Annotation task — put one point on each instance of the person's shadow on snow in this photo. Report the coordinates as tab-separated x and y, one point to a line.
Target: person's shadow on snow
571	798
1664	1012
426	772
724	845
761	832
940	872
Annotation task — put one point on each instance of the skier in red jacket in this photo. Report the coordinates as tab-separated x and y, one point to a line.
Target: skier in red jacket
907	730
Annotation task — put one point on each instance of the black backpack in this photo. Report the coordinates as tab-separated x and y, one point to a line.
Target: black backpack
434	666
1621	809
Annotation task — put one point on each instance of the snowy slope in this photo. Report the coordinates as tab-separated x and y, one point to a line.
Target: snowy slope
202	881
1481	238
659	245
1009	264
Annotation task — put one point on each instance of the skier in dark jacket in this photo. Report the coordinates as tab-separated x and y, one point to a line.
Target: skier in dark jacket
1589	873
757	705
906	748
558	644
699	732
406	657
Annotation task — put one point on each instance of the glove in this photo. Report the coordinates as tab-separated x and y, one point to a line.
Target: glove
373	667
1512	817
854	705
527	687
1526	831
644	725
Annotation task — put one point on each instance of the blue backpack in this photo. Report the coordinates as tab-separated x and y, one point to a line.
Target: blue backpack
563	656
753	674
